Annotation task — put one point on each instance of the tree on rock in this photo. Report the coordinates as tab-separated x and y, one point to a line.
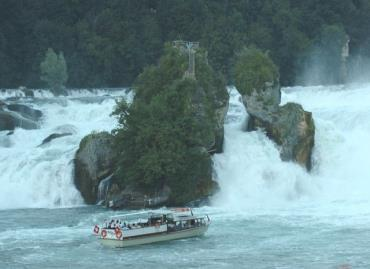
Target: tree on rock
253	69
289	126
54	71
161	136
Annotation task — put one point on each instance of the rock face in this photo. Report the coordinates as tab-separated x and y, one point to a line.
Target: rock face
18	115
213	135
10	120
130	197
52	137
2	105
127	196
289	126
28	93
93	162
25	111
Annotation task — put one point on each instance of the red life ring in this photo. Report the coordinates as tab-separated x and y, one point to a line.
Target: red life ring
118	233
157	225
104	233
96	229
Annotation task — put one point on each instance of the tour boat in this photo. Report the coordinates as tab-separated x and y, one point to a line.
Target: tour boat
150	227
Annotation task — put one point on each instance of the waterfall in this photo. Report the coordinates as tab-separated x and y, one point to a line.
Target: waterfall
32	176
252	176
103	189
249	171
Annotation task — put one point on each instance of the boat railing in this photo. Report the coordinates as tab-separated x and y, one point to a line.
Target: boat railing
179	225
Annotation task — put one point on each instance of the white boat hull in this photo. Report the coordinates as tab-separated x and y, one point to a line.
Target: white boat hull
126	242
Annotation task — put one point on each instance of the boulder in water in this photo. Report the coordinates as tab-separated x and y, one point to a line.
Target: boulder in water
65	128
93	162
28	93
2	105
53	136
9	120
25	111
289	126
292	128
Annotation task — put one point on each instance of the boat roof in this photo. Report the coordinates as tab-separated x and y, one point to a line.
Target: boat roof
159	212
181	218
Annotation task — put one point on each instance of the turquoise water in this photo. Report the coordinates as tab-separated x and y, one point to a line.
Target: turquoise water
268	214
62	238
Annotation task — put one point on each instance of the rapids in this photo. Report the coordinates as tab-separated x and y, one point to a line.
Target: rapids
41	176
268	214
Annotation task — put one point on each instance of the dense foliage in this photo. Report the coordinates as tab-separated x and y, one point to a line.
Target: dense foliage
253	69
159	138
54	70
108	43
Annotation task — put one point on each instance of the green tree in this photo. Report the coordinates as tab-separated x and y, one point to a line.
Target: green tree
159	137
253	69
54	71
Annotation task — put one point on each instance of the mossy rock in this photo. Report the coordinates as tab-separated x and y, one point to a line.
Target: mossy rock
94	160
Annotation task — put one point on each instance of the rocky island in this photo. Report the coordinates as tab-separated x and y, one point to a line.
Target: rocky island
160	154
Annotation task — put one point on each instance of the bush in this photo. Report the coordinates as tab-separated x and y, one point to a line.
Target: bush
54	71
253	69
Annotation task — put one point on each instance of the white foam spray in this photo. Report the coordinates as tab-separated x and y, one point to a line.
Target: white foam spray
252	176
41	176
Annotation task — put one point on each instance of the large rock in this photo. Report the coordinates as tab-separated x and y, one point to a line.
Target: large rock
130	197
210	110
25	111
28	92
9	120
289	126
199	188
2	105
93	162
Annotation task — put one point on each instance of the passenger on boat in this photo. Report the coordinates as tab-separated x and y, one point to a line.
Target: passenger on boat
112	225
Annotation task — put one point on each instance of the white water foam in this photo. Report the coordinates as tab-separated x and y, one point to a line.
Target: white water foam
44	93
41	176
253	178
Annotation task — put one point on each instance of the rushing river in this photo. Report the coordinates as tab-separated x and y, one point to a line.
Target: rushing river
269	214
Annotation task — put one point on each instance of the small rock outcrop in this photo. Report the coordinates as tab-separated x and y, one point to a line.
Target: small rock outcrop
52	137
289	126
28	93
93	162
213	136
2	105
18	115
25	111
10	120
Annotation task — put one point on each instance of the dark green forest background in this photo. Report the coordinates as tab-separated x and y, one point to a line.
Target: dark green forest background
108	43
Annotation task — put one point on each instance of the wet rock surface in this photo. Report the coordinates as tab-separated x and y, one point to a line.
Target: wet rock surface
289	126
93	162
